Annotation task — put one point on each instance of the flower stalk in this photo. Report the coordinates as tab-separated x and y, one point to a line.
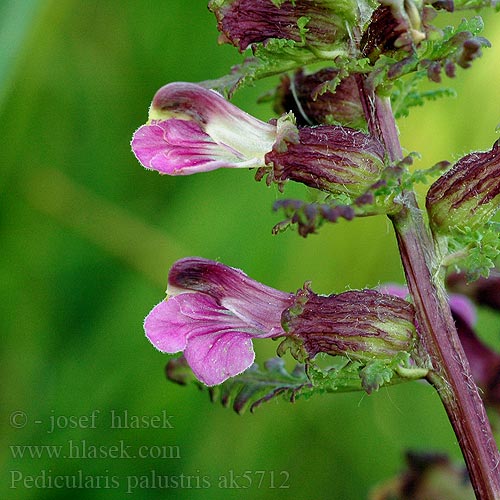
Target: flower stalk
449	372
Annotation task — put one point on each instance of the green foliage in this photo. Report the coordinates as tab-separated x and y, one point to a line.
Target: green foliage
380	199
276	57
256	385
250	389
441	50
356	376
376	373
474	250
444	46
405	94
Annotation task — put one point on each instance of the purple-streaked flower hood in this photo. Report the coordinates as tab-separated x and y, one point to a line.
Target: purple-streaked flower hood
244	23
361	324
468	194
193	129
212	312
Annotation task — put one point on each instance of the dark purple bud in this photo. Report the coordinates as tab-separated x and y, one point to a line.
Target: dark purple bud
304	96
393	25
471	49
398	68
434	71
468	194
177	370
310	216
246	22
449	69
443	5
330	158
362	325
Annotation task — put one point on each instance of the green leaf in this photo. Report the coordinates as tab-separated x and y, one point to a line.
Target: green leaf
400	74
277	57
474	250
405	94
378	372
374	375
256	385
253	387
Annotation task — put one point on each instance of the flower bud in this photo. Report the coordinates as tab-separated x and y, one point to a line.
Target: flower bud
330	158
468	194
362	325
394	25
246	22
303	96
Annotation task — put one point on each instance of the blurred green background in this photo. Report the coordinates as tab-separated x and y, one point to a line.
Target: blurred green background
88	236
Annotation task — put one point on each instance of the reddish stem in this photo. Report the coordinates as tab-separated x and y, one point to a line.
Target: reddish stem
450	372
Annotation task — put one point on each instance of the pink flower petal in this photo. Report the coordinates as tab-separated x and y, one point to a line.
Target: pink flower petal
217	344
254	303
166	327
400	291
179	147
225	123
217	357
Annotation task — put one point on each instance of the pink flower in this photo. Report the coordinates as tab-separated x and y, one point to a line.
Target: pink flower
212	313
192	129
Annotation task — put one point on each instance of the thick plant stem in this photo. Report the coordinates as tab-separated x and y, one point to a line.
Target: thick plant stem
450	372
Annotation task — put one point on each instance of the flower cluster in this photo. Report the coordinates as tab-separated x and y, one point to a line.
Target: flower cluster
325	139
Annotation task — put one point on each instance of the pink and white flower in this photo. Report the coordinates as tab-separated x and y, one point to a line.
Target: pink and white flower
193	129
211	314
